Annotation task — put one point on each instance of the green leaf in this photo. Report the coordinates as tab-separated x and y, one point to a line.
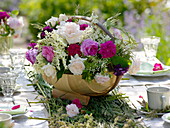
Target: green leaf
60	72
15	12
115	60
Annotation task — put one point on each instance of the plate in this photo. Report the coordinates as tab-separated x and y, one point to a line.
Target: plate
165	117
147	113
16	112
146	71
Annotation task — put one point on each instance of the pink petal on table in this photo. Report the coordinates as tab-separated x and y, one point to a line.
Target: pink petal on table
140	96
15	107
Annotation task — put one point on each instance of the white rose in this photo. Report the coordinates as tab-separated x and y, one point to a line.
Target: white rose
76	65
72	110
52	21
49	70
71	32
101	79
63	17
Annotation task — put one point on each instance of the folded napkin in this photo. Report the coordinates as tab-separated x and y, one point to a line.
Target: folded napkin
14	110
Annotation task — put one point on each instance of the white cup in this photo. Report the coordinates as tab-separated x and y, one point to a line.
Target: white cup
5	120
158	97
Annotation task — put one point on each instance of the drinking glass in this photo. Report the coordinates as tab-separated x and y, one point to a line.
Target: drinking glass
17	59
8	84
150	44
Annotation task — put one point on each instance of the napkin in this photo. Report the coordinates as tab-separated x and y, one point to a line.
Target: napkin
14	110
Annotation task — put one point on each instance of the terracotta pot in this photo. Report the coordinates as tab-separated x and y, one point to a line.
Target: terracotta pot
73	86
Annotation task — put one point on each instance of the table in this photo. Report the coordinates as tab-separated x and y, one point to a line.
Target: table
136	86
35	110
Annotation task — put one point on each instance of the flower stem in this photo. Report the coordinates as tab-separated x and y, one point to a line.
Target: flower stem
37	118
49	111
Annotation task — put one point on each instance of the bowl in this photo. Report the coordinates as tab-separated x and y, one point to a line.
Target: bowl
166	117
5	119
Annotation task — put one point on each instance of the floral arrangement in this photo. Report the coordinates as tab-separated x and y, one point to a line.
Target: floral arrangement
10	24
103	111
81	45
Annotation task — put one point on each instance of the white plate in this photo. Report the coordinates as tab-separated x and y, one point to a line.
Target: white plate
164	72
147	113
17	112
165	117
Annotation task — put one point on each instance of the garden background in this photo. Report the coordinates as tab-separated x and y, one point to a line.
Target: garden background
139	17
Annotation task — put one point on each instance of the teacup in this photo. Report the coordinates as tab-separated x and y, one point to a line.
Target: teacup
5	120
158	97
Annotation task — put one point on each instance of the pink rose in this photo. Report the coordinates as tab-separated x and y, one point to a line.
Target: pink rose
89	47
107	49
48	53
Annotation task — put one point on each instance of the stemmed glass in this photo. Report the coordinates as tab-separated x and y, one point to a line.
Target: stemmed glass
17	59
8	84
17	63
150	44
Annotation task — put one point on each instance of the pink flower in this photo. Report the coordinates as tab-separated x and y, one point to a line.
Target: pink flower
15	23
74	49
32	45
72	110
141	97
15	107
107	49
77	103
89	47
83	26
31	55
48	53
157	67
4	15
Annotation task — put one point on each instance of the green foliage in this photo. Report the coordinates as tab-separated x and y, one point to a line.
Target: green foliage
38	11
93	65
155	27
15	12
115	60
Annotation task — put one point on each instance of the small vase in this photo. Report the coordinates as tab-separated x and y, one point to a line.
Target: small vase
6	42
